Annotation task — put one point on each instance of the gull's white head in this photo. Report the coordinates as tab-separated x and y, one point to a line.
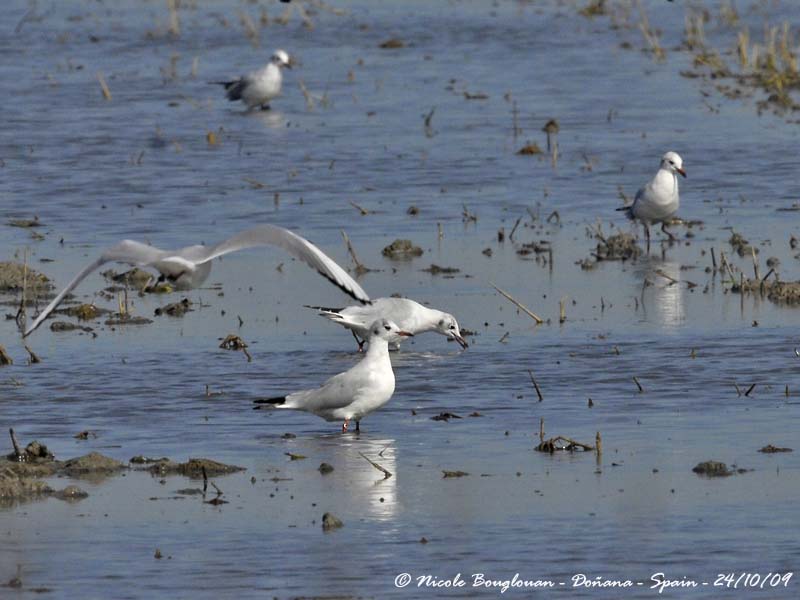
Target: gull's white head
673	163
388	330
447	325
281	58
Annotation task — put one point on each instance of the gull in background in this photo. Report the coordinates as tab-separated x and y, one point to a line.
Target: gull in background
258	88
408	314
189	267
658	201
354	394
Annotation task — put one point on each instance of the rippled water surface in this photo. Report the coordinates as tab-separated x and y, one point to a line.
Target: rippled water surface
140	165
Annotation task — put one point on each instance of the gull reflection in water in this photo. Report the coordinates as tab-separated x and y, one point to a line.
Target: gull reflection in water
364	483
663	299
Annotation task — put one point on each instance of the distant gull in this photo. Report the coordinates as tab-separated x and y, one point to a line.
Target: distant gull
409	316
189	267
658	200
354	394
256	89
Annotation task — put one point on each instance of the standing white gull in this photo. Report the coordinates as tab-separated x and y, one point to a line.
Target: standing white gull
261	86
354	394
408	314
658	201
189	267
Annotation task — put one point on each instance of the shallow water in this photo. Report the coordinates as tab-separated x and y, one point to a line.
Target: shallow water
95	171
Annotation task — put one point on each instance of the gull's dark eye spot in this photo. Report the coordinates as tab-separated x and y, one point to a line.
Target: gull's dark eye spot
387	328
452	326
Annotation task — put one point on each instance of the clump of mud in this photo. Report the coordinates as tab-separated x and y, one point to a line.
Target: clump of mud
15	276
713	468
777	291
401	250
65	326
193	468
175	309
621	246
741	245
83	312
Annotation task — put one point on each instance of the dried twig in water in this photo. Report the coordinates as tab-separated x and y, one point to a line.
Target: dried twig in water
541	430
750	389
360	268
34	359
467	216
639	385
364	212
672	280
429	132
174	19
738	390
513	229
535	385
386	472
562	310
17	452
519	305
103	86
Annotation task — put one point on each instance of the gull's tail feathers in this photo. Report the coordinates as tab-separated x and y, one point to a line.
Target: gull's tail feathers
276	401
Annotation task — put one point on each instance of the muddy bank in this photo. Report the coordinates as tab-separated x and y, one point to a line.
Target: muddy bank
22	472
16	276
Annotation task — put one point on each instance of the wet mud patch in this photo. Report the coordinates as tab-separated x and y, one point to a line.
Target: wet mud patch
780	292
401	250
15	276
621	246
175	309
194	468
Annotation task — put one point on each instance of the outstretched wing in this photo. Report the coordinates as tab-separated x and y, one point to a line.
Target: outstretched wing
127	251
299	247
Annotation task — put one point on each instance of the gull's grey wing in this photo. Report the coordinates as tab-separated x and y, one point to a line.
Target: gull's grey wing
299	247
337	392
127	251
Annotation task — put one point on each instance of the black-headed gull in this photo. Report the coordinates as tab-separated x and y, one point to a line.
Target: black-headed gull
189	267
354	394
261	86
659	200
409	315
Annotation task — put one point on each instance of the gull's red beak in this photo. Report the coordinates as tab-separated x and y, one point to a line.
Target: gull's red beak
405	334
681	171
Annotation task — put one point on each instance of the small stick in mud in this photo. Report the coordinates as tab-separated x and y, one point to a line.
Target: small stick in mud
562	310
14	443
428	128
34	359
738	391
750	389
386	472
514	229
360	268
519	305
205	479
639	385
713	259
755	263
535	385
541	430
364	212
598	443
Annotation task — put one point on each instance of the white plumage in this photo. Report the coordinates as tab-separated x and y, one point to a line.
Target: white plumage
358	391
659	199
258	88
189	267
